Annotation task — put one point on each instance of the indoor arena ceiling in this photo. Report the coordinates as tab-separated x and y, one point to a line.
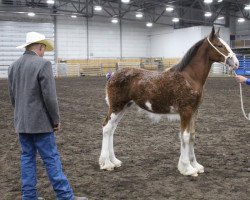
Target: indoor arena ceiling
188	12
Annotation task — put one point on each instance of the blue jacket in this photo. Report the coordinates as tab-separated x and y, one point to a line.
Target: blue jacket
248	81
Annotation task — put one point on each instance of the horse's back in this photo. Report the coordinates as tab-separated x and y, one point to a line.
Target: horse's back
124	77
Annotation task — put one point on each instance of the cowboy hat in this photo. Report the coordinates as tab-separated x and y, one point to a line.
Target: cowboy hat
34	37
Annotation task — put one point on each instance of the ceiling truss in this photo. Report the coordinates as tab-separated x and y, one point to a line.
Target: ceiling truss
190	12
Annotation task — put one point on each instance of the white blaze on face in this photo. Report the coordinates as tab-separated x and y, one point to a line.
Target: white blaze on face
226	45
235	59
149	105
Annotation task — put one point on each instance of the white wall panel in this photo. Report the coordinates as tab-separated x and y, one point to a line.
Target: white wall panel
224	32
135	40
104	38
243	28
169	43
13	34
71	38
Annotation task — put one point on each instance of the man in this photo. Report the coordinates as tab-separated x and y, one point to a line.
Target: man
242	79
36	117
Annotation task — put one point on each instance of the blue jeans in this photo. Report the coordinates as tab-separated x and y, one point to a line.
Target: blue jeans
44	144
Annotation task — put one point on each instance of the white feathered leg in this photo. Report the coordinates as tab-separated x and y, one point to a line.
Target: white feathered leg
184	164
112	157
192	157
193	161
104	160
107	159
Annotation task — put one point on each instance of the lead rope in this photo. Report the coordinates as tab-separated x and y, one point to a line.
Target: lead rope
241	97
241	102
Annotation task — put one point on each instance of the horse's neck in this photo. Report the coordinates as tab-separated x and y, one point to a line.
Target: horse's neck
198	68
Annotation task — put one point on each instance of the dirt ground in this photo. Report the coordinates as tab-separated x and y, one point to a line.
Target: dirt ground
149	152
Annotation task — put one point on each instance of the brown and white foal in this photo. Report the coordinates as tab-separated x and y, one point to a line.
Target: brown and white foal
176	93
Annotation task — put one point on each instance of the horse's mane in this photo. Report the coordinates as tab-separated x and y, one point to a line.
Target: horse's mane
188	56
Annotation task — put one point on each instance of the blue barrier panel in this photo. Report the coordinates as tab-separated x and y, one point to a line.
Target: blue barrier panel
240	71
247	71
244	68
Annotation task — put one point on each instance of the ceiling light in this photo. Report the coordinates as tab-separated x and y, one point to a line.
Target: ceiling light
208	14
175	19
125	1
219	18
139	14
208	1
31	14
50	1
114	20
241	20
247	7
169	9
97	8
219	1
73	16
149	24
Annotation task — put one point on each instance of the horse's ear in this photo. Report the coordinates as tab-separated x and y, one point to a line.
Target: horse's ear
212	34
218	32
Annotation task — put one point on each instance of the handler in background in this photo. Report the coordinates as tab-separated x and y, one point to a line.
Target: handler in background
36	116
242	79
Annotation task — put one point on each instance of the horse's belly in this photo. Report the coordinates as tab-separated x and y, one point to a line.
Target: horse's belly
157	116
157	107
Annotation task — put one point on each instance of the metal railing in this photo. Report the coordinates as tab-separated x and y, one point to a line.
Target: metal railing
240	44
4	71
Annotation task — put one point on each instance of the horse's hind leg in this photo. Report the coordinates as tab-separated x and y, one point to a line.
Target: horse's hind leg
112	156
107	159
193	160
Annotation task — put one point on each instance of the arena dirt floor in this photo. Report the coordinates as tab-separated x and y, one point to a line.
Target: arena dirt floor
149	152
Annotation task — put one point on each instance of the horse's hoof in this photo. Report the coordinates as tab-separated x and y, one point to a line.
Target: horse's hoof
106	165
198	167
116	162
194	175
187	170
200	171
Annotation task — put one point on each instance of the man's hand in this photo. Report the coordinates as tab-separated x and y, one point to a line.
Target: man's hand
240	79
57	127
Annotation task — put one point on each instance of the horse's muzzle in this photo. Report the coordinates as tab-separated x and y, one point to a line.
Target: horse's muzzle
232	63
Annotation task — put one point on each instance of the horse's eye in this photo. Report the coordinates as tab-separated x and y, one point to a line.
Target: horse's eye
220	46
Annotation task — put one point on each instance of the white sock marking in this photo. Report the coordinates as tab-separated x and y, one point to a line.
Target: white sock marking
149	105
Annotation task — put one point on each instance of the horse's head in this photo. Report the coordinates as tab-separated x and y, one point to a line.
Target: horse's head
220	51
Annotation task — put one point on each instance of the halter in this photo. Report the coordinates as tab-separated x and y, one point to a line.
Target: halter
230	54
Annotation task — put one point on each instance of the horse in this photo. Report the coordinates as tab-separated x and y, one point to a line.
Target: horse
176	93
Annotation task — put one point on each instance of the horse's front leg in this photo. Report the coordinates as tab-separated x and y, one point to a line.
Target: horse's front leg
193	160
184	165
